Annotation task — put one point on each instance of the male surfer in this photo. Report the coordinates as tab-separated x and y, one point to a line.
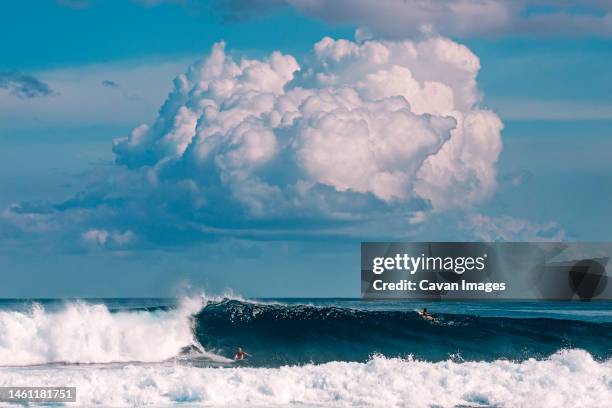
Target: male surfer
240	354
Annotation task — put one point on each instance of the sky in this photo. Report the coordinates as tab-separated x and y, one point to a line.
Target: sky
155	147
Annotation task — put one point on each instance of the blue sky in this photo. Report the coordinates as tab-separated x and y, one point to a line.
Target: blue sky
75	75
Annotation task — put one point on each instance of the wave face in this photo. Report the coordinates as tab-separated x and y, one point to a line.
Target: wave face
568	378
277	334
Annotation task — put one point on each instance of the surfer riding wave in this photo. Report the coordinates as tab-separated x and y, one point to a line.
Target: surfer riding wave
240	354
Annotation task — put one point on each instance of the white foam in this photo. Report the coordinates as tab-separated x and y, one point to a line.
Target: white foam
567	378
90	333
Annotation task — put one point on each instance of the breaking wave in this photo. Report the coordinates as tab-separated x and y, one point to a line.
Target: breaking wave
207	330
80	332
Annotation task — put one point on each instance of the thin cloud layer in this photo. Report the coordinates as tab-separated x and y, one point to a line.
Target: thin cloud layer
464	18
409	18
506	228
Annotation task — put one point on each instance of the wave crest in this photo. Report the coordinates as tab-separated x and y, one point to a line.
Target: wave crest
81	332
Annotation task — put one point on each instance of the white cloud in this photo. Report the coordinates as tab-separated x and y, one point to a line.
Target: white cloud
105	238
395	120
359	138
95	236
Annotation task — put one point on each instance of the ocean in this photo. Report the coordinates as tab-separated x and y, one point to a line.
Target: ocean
310	352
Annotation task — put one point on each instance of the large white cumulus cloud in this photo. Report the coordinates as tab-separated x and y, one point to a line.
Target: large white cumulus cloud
351	127
357	139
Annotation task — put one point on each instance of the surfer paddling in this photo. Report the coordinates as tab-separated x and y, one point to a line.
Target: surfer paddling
240	354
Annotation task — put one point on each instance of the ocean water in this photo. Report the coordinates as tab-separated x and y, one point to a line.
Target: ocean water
310	352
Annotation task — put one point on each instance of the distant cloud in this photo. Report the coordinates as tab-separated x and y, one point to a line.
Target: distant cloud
464	18
408	18
516	178
108	239
506	228
24	86
137	98
110	84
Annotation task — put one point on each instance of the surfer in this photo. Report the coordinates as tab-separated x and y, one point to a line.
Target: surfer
426	315
240	354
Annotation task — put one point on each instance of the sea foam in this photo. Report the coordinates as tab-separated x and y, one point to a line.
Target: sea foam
567	378
82	332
